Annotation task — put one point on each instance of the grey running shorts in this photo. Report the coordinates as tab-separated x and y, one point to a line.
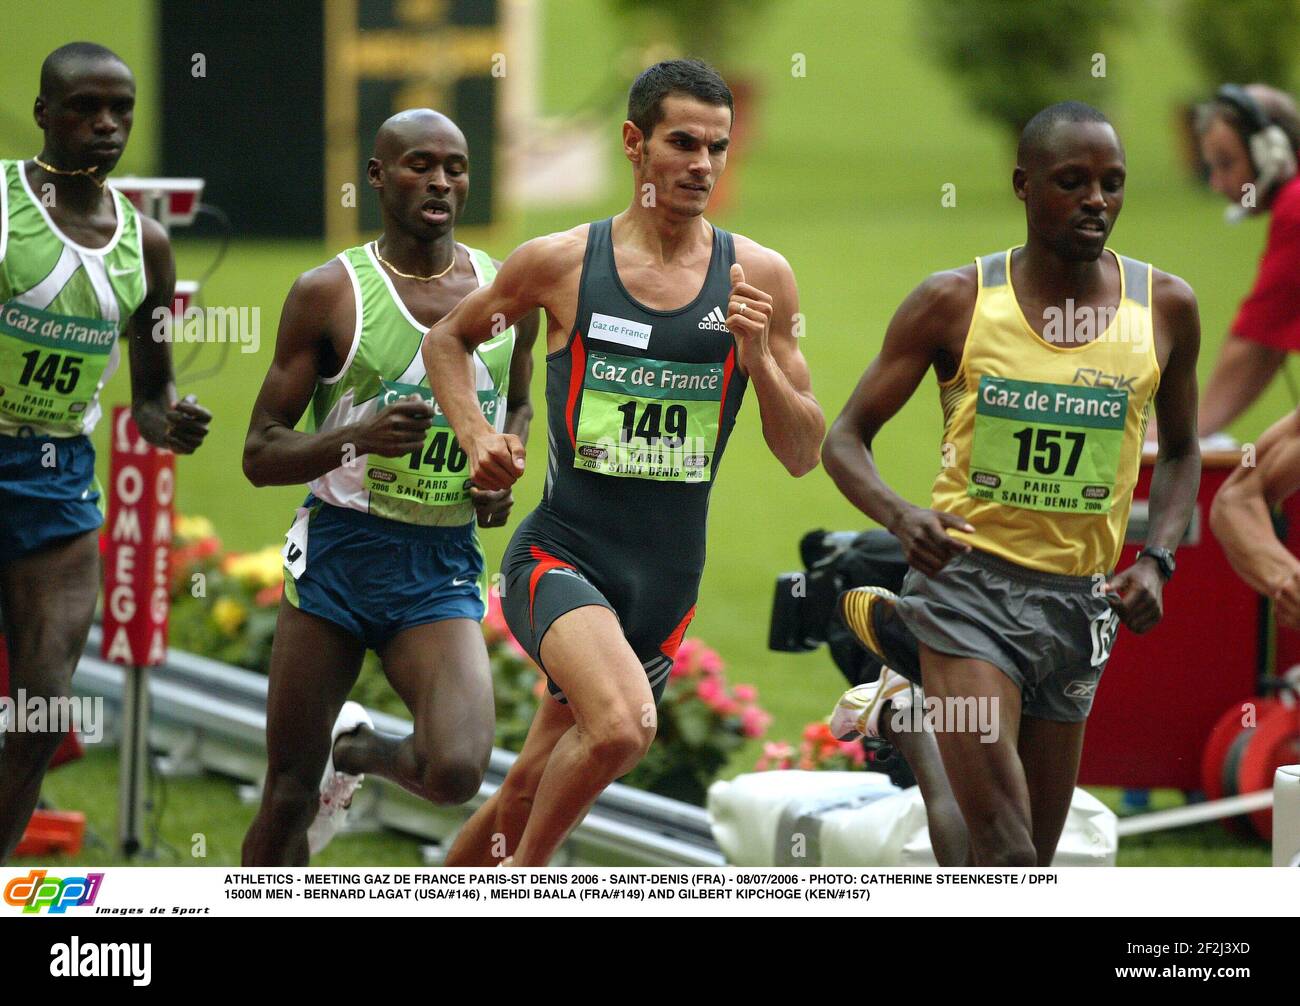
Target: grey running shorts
1050	634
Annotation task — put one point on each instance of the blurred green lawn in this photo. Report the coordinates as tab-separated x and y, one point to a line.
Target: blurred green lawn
844	177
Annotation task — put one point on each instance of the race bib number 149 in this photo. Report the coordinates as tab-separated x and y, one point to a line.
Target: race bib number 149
649	419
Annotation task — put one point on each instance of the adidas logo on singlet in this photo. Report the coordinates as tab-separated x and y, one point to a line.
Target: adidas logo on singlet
714	320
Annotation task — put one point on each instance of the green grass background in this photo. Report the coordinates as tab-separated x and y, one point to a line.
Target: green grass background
843	175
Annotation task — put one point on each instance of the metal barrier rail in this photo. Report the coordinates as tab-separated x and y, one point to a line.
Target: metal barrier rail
1194	813
210	716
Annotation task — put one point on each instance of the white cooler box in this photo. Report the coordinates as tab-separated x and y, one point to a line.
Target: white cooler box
792	818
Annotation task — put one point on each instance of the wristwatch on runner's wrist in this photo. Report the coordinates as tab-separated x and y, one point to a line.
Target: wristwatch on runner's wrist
1163	558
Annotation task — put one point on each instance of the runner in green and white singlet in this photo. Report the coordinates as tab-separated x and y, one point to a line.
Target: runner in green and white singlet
384	553
64	306
78	268
429	486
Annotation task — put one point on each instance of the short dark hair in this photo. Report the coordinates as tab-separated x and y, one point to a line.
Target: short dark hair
1033	138
674	76
52	69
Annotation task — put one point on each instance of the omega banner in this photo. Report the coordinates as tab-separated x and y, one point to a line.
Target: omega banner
138	554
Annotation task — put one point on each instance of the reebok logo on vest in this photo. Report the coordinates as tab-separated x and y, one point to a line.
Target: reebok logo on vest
714	321
1100	379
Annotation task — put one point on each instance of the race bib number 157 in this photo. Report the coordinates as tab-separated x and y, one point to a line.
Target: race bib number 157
1052	447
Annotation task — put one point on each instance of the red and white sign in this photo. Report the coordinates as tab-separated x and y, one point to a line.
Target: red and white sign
137	595
173	202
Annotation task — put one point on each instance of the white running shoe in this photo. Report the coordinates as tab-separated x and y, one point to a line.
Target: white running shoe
336	788
857	713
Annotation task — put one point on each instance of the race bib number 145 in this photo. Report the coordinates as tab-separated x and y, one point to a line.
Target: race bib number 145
51	364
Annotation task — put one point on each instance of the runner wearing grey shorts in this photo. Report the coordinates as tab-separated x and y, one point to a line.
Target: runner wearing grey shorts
1050	634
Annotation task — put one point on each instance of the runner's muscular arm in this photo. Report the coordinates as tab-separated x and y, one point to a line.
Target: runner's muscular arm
161	419
1177	473
768	351
277	454
931	319
496	460
492	507
1243	524
519	404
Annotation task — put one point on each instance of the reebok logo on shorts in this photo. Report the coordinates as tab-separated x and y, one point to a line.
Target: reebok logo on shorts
714	321
1082	689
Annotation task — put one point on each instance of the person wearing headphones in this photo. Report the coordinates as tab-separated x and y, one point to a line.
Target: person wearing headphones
1248	138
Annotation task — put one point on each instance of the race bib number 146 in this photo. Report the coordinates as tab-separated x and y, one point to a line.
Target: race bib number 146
437	474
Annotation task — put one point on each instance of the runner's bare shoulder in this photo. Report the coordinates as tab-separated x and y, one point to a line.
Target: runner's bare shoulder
153	238
937	314
1175	315
320	304
550	258
758	257
763	266
1172	295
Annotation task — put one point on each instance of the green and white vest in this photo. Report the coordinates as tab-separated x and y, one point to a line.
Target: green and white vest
429	486
62	307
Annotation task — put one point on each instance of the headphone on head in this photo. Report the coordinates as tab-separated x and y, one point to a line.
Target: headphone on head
1269	147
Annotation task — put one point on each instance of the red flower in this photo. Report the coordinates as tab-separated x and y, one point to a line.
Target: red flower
270	596
497	630
207	547
779	755
709	690
710	663
754	722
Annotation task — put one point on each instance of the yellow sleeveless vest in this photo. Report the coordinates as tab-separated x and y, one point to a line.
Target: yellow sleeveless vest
1042	441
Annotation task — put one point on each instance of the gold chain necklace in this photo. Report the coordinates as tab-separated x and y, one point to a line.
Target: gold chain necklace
407	275
88	172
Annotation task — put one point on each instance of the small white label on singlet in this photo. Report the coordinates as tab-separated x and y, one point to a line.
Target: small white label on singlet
620	330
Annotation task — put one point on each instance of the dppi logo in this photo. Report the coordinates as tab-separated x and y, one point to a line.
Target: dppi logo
36	891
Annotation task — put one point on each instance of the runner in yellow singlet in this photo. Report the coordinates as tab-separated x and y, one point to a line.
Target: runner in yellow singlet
1050	358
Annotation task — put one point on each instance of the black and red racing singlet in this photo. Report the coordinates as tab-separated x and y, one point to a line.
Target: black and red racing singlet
641	404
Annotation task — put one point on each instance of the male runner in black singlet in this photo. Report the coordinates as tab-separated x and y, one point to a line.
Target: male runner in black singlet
653	332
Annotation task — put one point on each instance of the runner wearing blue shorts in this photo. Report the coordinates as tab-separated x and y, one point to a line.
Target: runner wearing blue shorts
383	554
79	267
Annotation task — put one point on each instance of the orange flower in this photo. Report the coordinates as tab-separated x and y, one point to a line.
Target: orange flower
270	596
